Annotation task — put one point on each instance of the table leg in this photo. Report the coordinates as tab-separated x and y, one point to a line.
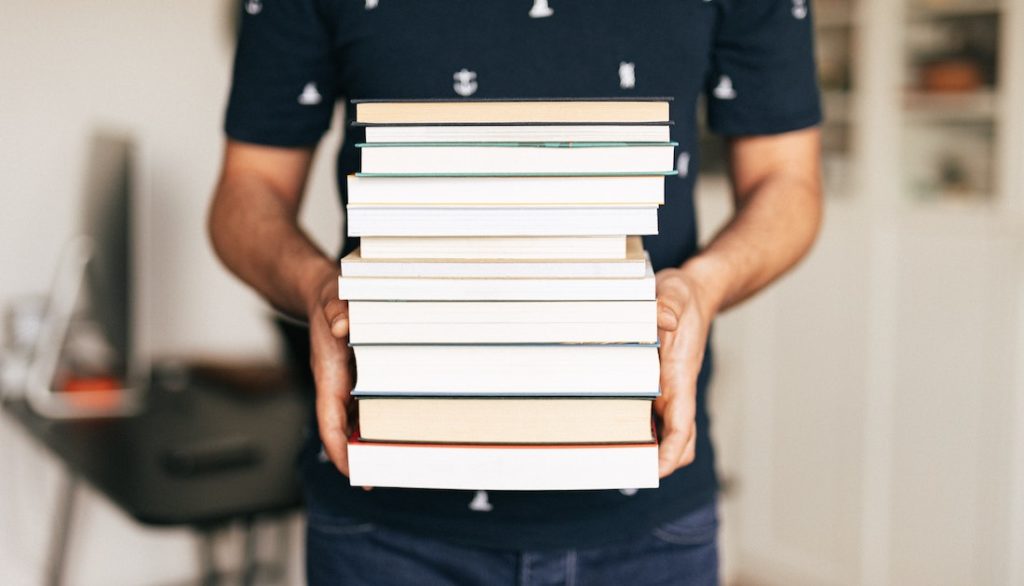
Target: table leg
57	558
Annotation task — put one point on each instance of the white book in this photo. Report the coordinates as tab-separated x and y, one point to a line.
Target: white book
496	322
493	247
522	158
566	370
365	220
483	467
520	133
415	289
634	265
510	190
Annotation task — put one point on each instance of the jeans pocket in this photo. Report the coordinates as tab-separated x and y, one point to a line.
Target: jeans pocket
338	525
698	527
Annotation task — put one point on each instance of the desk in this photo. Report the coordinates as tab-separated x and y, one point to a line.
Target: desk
200	454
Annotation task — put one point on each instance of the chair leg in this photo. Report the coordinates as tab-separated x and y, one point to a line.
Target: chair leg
282	527
249	565
207	564
61	537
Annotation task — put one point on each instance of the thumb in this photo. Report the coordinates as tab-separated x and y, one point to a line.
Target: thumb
336	314
667	319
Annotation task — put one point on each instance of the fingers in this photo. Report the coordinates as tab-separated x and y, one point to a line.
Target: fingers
677	408
336	314
333	430
677	448
670	450
329	360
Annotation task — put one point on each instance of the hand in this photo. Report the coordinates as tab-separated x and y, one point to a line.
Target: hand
333	368
683	322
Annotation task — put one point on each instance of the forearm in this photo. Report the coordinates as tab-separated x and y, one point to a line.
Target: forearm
255	233
775	223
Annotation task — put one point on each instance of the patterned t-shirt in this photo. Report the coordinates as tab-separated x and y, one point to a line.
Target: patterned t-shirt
752	59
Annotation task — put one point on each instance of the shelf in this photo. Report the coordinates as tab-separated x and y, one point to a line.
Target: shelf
953	9
960	200
979	106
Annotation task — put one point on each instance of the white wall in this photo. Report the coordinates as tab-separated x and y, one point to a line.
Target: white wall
159	71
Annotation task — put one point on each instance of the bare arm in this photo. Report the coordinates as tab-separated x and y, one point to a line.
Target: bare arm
777	196
253	225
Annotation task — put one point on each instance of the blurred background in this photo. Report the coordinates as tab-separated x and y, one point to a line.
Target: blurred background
869	409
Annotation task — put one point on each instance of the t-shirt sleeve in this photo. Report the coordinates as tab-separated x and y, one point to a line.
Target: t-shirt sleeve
283	86
763	78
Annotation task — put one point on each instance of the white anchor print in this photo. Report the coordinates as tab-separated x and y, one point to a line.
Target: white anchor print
799	9
310	96
627	75
254	7
683	164
540	9
465	82
629	491
724	89
480	502
371	4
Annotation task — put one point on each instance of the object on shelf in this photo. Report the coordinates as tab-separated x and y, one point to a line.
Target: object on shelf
952	75
953	55
950	160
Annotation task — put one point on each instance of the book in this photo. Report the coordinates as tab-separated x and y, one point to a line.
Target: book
565	370
509	191
505	421
591	110
634	265
492	322
416	289
369	220
513	158
503	467
658	132
493	247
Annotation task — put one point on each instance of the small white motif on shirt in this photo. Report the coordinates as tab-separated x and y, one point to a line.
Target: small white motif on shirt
465	82
254	7
724	89
321	456
627	75
480	502
540	9
371	4
683	164
799	9
628	491
310	96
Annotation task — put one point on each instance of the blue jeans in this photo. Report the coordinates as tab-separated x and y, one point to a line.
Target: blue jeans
344	551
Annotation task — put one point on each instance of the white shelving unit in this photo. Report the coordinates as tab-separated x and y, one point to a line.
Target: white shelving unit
869	409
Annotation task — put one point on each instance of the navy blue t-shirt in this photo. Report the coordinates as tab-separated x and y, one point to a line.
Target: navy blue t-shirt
753	59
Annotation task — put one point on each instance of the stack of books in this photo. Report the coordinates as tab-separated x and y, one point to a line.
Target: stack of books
502	309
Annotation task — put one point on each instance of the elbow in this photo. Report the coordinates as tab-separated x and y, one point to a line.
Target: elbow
816	213
217	225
